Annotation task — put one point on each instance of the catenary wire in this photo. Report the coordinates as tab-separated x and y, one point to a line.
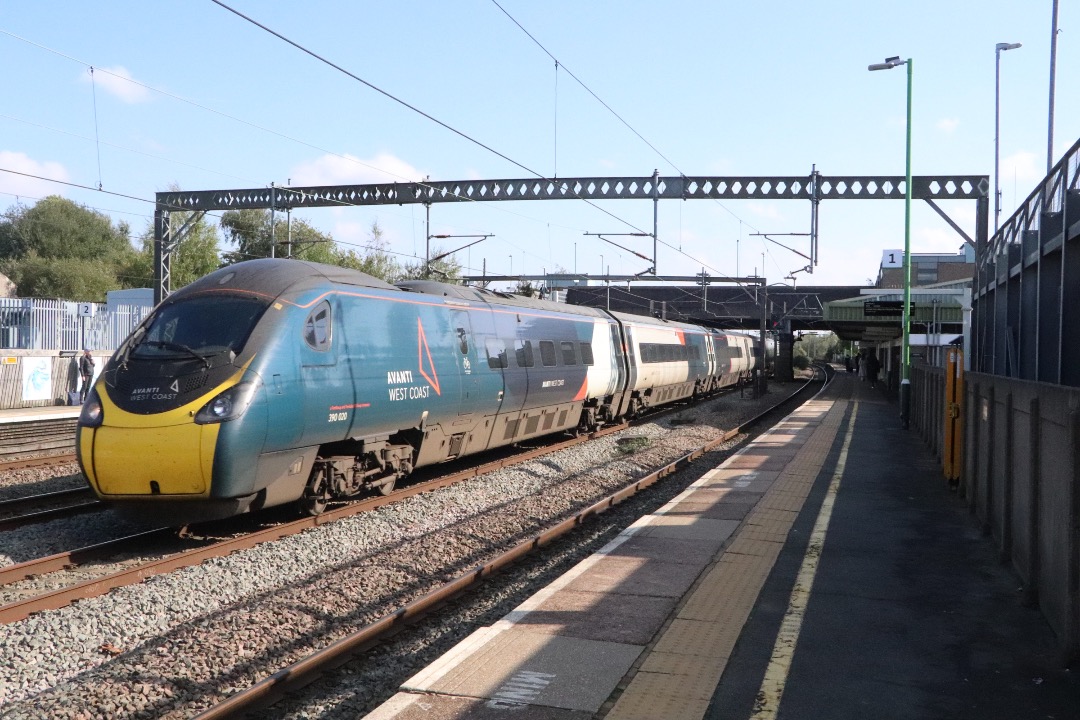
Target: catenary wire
262	128
415	109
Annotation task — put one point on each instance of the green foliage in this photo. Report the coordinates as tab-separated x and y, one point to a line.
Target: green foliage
525	288
630	445
444	269
249	231
817	347
377	262
58	248
801	362
64	278
196	255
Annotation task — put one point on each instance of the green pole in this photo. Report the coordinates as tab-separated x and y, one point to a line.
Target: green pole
905	350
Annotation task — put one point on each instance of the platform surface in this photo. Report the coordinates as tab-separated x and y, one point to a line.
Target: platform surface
825	571
31	414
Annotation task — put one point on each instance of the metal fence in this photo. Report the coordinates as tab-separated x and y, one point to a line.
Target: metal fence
40	324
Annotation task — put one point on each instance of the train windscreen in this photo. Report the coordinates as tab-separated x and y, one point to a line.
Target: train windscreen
202	326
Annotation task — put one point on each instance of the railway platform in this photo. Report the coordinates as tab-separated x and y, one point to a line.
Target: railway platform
824	571
33	414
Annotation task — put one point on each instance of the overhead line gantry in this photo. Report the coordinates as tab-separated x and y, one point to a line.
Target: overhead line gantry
814	187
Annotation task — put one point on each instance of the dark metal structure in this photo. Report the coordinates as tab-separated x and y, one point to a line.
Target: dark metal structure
814	187
1026	300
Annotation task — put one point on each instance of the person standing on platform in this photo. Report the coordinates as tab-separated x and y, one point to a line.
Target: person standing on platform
860	365
873	366
86	370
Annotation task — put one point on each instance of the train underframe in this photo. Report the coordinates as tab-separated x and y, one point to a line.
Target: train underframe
346	469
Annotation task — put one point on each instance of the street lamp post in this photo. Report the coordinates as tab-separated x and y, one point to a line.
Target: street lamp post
997	124
905	348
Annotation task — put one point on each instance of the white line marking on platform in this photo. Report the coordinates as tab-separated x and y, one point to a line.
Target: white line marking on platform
767	704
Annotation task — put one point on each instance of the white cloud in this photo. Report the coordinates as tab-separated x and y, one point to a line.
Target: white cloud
29	186
117	81
1021	166
351	170
948	125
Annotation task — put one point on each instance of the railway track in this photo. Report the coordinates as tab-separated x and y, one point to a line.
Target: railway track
46	436
300	673
178	557
295	596
185	558
57	458
47	506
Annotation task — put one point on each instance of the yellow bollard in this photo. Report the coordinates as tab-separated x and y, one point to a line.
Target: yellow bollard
954	420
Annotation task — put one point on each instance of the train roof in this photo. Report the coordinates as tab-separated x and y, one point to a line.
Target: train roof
493	297
647	320
273	276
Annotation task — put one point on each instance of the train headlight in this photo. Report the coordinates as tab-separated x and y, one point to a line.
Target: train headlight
92	414
229	405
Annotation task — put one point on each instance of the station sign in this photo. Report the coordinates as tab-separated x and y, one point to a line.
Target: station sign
892	259
883	308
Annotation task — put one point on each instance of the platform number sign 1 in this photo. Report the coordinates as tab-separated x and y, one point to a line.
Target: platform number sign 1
892	259
86	309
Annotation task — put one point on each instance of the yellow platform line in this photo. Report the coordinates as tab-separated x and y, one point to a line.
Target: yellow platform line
679	676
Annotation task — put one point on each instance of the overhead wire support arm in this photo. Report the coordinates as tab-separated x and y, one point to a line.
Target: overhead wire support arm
451	252
651	270
776	242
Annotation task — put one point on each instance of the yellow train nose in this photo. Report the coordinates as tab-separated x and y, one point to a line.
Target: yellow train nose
146	455
170	460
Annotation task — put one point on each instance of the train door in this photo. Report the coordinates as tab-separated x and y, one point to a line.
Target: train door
710	361
468	363
620	339
324	386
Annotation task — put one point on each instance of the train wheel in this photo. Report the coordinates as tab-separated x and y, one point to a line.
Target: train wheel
317	493
385	486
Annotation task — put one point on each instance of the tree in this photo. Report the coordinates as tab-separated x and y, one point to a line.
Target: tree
377	262
817	346
249	230
525	287
443	269
58	248
194	256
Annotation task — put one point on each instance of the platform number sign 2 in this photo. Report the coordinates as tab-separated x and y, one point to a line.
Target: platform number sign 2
892	259
86	309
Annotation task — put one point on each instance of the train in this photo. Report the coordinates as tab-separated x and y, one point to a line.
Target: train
279	381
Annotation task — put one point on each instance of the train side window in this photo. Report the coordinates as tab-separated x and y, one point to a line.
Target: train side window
496	353
569	356
525	354
463	341
317	327
586	353
547	353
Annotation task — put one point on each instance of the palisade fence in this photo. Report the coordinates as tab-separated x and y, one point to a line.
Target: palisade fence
41	340
52	325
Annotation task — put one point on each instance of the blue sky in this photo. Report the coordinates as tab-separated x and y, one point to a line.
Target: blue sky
718	88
